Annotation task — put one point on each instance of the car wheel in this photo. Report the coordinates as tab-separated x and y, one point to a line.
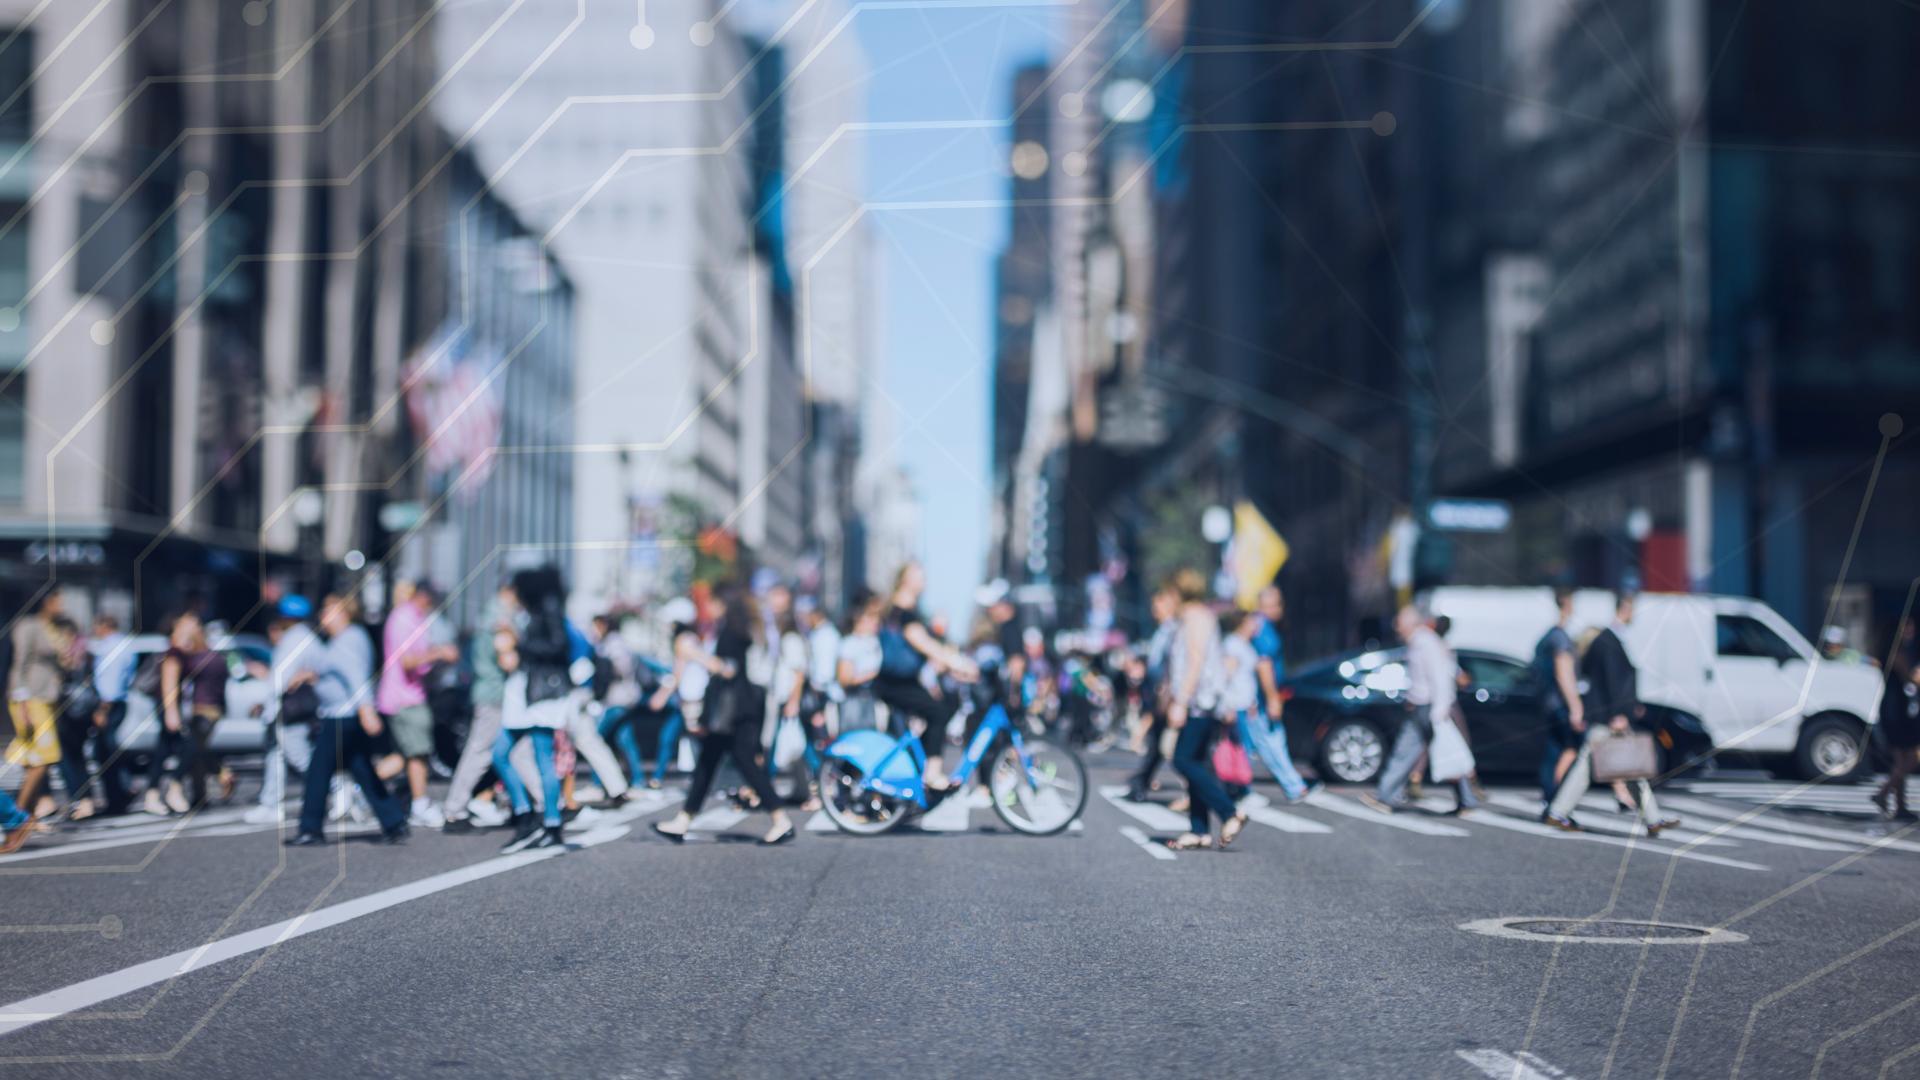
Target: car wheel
1832	748
1353	752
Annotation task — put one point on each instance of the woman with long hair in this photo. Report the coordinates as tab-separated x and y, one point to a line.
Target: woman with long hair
1900	720
907	646
535	655
729	723
193	695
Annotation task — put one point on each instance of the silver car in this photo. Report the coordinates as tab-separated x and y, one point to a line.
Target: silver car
251	702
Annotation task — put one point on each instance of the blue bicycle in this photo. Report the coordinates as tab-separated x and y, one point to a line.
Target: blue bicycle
871	781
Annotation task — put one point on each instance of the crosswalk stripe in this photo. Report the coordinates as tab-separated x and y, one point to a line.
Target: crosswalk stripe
1723	813
1259	808
718	819
1500	820
106	843
949	816
820	822
1597	815
1158	851
1153	815
1715	834
1336	804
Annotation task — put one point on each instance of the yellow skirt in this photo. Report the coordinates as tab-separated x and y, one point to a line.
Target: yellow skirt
35	742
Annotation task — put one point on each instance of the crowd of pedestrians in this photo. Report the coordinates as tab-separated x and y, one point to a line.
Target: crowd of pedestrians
740	689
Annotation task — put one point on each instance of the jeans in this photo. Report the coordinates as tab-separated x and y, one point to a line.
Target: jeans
1559	738
292	747
340	742
1269	742
616	725
476	757
1205	793
585	733
542	740
669	743
1399	769
11	816
1580	778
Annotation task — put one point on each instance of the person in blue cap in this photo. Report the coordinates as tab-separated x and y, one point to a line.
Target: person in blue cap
295	650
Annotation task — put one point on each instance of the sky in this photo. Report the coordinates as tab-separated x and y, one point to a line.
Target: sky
931	65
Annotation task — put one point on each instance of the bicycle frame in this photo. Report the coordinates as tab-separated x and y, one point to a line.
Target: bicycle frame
897	768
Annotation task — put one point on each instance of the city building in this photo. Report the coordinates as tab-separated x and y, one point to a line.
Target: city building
211	287
623	136
1695	334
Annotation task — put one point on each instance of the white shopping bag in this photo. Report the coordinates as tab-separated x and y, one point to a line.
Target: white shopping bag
789	743
1448	756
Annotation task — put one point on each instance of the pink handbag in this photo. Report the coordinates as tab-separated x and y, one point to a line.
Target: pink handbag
1231	764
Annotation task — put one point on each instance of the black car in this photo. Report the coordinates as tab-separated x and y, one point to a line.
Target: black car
1343	715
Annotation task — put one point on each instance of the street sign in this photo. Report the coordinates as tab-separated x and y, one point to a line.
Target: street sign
1470	515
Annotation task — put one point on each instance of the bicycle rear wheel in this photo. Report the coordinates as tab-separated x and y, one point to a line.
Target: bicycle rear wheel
853	807
1042	799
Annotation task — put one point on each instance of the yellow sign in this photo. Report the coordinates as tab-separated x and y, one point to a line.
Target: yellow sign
1258	553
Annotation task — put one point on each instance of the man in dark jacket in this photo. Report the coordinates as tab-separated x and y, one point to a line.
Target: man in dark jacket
1612	699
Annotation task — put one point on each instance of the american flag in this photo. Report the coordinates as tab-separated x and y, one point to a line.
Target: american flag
455	413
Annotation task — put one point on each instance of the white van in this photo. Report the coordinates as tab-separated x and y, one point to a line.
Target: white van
1732	663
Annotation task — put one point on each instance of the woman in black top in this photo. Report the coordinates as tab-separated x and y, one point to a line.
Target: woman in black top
1900	721
906	646
729	724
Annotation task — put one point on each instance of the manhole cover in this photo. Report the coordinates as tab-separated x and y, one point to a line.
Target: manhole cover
1603	931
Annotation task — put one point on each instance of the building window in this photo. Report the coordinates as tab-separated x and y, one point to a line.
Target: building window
13	441
16	94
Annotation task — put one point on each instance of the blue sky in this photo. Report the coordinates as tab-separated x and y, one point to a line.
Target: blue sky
933	64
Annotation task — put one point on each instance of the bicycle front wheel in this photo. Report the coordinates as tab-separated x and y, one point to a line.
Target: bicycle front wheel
1042	795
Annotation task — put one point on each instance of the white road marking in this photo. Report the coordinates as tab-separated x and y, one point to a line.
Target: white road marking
83	995
1259	808
1332	803
1598	816
820	822
1723	813
1158	851
718	819
949	816
106	843
1532	828
1500	1065
1153	815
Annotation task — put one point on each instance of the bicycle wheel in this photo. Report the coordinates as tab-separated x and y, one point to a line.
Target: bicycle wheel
1041	800
852	807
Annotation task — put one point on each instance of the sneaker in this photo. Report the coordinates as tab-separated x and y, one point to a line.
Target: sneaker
485	814
1309	792
524	833
425	815
152	804
307	839
1372	802
1564	824
549	837
359	810
1659	827
263	815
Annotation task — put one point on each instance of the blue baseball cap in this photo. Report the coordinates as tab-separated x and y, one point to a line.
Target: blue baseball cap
295	606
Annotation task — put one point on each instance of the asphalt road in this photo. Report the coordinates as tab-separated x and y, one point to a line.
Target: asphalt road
1330	942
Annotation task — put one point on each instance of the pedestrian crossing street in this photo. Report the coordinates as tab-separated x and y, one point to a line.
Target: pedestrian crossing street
1738	825
1743	825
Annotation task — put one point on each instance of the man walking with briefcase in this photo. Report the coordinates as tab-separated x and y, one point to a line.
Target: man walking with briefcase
1614	752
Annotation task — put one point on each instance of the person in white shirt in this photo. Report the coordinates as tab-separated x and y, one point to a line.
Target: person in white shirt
859	666
1432	687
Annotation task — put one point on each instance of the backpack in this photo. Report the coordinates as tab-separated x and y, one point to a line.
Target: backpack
300	705
898	658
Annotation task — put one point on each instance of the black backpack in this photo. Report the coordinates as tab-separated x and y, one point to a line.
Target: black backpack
300	705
